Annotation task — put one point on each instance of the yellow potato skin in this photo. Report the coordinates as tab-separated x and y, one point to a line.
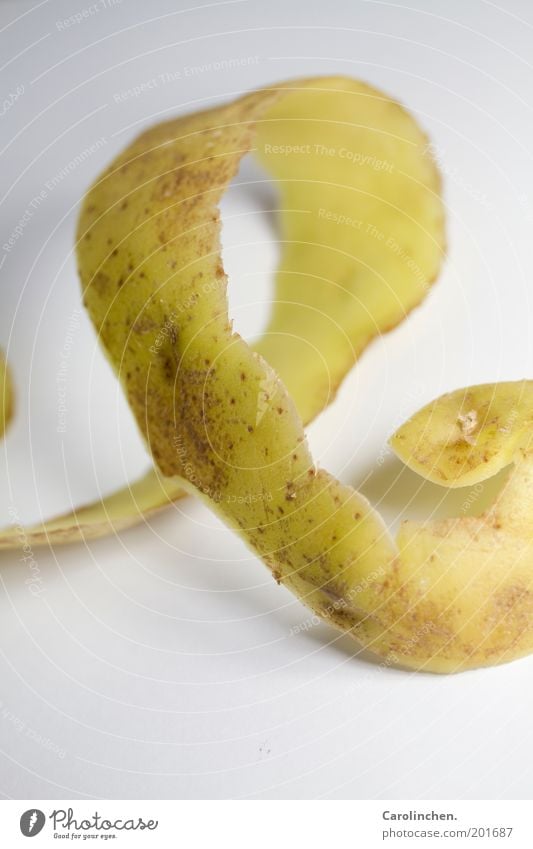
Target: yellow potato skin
468	435
337	286
111	514
341	280
114	513
226	422
7	399
472	576
362	232
213	411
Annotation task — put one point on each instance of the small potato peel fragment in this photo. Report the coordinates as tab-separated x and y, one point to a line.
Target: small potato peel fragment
6	395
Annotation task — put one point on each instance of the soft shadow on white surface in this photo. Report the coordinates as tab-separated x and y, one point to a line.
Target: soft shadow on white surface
399	493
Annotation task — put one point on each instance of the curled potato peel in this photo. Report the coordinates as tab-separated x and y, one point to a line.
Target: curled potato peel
343	278
225	418
362	240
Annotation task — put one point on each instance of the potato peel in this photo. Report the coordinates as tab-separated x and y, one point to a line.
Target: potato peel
6	396
154	285
121	510
468	435
362	240
116	512
471	575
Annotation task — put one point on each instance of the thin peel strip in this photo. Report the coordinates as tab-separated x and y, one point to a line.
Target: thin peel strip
120	510
116	512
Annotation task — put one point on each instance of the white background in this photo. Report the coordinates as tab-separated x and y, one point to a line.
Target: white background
160	663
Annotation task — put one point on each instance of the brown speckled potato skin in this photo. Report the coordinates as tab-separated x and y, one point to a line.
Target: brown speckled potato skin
362	243
212	410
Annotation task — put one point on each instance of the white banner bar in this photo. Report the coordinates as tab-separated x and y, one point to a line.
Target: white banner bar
268	824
